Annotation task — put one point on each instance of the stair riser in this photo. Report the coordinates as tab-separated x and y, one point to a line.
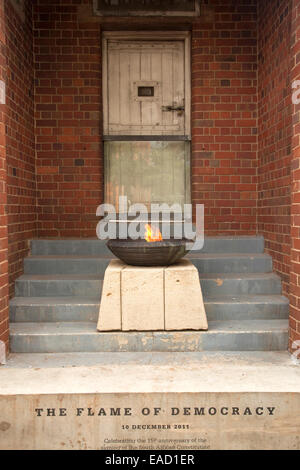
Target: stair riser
98	247
65	266
69	247
58	288
137	342
233	265
214	311
246	311
92	288
233	245
58	313
98	266
218	287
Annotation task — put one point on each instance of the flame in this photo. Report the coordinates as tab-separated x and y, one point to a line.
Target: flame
152	235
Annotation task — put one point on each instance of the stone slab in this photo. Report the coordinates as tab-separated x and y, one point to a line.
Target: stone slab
184	307
142	297
2	353
110	305
157	421
164	401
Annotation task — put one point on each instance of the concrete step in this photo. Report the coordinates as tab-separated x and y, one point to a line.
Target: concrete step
64	309
66	264
258	335
54	309
225	244
192	362
247	307
29	285
243	380
90	246
58	285
239	284
231	262
205	263
87	246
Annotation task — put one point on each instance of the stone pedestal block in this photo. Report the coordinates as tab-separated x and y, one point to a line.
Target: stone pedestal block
151	299
142	298
184	306
110	306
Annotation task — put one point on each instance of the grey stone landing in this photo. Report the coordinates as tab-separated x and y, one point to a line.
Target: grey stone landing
223	401
56	306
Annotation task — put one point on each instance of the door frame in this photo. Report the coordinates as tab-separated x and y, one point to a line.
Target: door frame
155	36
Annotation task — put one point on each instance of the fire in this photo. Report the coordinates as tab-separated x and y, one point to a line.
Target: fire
152	235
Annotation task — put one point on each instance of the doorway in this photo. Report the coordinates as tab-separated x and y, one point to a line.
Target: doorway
146	103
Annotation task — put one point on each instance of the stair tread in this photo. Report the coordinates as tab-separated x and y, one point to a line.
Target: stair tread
216	276
72	300
199	255
233	326
71	257
192	255
42	277
88	239
145	372
254	298
197	361
54	277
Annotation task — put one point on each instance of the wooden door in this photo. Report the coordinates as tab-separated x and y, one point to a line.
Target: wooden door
146	88
146	98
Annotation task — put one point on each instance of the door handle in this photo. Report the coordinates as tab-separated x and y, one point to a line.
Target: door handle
172	108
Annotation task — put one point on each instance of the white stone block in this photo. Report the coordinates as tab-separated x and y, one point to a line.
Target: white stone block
184	306
142	297
110	307
2	353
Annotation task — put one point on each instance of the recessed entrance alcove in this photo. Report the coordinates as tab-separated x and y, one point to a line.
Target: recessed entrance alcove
163	102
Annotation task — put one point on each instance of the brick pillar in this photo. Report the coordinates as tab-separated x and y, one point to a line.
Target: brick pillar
295	167
3	201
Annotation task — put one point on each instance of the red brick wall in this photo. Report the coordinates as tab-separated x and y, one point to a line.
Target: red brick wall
3	199
224	116
21	192
295	209
68	119
275	131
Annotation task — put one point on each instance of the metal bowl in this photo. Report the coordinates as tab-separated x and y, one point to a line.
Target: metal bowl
142	253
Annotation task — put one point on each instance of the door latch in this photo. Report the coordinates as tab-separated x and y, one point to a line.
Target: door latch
172	108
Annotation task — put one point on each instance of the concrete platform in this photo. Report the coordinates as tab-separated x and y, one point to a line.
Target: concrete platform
252	371
173	401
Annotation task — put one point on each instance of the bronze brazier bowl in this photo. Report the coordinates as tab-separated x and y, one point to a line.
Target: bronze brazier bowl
143	253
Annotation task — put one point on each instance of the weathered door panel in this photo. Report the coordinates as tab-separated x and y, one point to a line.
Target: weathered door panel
143	78
147	172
